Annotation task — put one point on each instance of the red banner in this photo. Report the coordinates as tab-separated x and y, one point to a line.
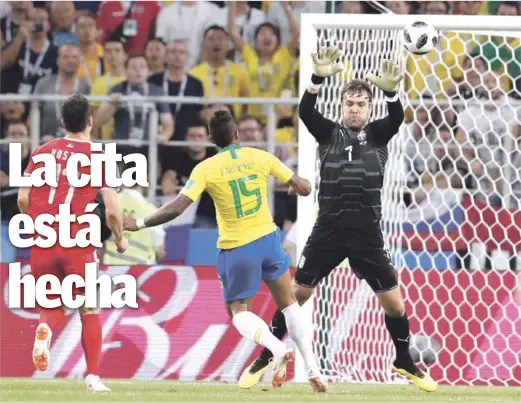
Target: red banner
181	329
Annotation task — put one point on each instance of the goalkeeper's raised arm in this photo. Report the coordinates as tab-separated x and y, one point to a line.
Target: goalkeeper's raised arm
356	99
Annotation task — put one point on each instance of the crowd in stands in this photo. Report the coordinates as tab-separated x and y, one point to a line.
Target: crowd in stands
251	49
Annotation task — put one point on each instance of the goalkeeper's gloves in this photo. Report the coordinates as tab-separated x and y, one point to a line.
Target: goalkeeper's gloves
390	76
325	63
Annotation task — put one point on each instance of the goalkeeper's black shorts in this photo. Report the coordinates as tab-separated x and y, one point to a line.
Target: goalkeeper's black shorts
329	245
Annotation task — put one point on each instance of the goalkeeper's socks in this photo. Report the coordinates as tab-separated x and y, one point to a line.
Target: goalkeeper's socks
300	330
255	329
398	327
91	338
279	329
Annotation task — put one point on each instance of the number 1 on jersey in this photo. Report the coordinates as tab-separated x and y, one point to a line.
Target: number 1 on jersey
349	150
239	189
52	193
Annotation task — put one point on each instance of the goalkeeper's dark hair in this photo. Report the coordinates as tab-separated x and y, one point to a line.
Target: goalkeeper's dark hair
221	127
357	86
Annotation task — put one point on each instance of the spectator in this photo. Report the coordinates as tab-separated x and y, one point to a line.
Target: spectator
187	21
471	8
247	19
63	14
268	64
175	82
133	21
178	169
131	118
8	206
487	132
66	82
10	112
435	7
473	69
221	77
155	55
399	7
286	133
433	73
501	51
350	7
251	130
30	54
279	18
115	58
10	24
92	65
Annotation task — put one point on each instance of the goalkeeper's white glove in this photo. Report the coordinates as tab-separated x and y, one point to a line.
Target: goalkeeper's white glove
325	63
390	76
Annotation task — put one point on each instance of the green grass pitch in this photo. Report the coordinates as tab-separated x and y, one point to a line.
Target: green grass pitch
20	390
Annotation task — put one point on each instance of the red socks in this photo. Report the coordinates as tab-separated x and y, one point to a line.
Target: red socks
91	342
52	317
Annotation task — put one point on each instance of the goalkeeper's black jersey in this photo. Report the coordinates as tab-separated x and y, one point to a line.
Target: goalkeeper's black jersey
352	164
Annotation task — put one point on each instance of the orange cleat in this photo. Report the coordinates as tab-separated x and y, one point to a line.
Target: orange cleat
279	368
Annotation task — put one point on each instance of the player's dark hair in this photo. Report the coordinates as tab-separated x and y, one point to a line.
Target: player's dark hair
357	86
222	124
274	28
76	113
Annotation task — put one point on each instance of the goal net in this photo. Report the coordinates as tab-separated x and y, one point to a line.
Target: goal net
451	201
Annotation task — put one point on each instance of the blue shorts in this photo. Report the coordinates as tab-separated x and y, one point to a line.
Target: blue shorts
242	269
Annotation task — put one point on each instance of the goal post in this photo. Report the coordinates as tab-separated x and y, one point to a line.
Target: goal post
434	227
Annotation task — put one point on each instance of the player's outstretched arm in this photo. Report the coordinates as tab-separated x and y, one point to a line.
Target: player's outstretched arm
162	215
389	82
300	186
114	218
325	64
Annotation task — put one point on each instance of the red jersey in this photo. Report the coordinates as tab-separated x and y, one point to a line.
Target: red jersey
47	199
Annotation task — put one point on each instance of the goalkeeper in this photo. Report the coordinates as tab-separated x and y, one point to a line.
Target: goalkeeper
352	157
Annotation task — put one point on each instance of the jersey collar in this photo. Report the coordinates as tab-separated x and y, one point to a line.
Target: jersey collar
229	148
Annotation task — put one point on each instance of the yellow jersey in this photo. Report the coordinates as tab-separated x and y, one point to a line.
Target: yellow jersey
101	86
267	80
230	80
93	67
237	180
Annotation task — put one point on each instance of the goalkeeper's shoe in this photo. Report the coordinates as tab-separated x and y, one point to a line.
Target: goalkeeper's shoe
253	373
42	347
279	367
421	379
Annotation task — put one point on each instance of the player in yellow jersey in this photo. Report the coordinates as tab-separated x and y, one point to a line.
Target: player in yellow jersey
250	245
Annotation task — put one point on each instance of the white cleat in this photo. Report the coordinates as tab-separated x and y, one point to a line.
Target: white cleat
42	347
279	367
94	384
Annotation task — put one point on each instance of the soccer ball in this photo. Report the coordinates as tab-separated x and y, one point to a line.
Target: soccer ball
420	37
423	349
